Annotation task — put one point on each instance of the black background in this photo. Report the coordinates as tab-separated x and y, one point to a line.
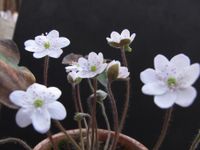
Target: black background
165	27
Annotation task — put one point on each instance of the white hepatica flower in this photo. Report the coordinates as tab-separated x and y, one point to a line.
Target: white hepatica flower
89	68
114	70
47	45
119	40
171	81
38	104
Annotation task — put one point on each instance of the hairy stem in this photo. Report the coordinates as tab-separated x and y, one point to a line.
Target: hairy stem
126	104
195	142
15	140
45	72
58	124
123	56
81	135
115	116
107	124
51	140
164	130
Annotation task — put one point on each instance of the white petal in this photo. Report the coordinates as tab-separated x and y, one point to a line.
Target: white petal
148	76
100	57
40	40
132	37
165	100
31	46
123	72
109	39
41	120
115	36
55	53
157	88
189	75
101	68
57	110
62	42
83	63
180	61
23	118
160	62
40	54
125	33
20	98
185	97
37	91
52	94
93	58
86	74
53	34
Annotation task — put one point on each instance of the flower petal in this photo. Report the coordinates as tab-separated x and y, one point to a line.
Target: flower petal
55	53
31	46
157	88
52	94
23	118
165	100
189	75
41	120
132	37
115	36
37	91
160	62
180	61
40	40
125	34
53	34
109	39
62	42
123	72
185	97
40	54
148	76
20	98
57	110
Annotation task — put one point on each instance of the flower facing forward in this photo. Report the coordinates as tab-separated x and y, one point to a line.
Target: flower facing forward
171	81
116	71
121	40
47	45
38	104
89	68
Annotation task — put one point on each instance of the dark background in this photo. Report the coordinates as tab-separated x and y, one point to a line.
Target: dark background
167	27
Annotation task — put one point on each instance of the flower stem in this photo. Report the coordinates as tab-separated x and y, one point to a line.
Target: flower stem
15	140
58	124
81	135
51	140
46	67
123	56
107	124
126	104
164	130
115	116
195	142
94	123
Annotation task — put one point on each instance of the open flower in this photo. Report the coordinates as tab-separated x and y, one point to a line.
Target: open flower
38	104
171	81
89	68
120	40
47	45
115	71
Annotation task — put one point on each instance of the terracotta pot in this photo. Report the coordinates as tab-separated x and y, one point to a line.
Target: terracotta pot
128	142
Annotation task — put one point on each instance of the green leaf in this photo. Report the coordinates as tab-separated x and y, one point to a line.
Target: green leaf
103	79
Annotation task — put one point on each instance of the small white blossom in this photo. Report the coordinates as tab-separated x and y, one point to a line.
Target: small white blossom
119	40
73	77
38	104
120	72
171	81
47	45
89	68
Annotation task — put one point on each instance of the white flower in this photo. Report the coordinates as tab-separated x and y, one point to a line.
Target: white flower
171	81
119	40
89	68
73	78
114	70
38	104
47	45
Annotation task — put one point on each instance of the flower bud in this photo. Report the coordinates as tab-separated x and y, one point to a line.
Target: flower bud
100	94
113	70
80	116
73	78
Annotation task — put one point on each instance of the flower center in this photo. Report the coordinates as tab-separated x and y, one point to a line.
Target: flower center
46	45
93	68
38	103
171	81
